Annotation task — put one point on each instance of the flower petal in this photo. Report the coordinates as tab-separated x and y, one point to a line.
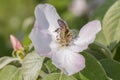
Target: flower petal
41	41
43	33
46	16
87	35
68	61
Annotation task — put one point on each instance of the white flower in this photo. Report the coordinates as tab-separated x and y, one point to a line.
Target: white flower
52	38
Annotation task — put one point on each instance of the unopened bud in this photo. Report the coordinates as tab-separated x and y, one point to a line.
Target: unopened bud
15	43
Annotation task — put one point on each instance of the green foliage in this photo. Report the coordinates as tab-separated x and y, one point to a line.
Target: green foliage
57	76
50	67
82	77
93	69
6	60
111	24
99	14
10	73
18	75
31	66
29	69
112	68
100	51
117	53
110	31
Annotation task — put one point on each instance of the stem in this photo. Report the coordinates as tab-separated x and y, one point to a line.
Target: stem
115	49
108	52
49	71
116	46
61	74
13	54
114	52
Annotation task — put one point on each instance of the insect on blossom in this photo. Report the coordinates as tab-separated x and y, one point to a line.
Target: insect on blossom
52	38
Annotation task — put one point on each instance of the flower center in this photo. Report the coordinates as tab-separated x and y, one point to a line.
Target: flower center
64	36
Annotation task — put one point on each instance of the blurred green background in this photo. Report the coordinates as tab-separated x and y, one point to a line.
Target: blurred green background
17	18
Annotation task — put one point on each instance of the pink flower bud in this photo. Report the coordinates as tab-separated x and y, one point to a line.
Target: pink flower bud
15	43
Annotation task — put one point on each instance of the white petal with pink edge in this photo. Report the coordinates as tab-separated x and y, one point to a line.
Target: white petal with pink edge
87	35
43	34
68	61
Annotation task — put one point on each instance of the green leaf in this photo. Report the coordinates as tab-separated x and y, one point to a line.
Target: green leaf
18	75
117	53
10	73
109	35
93	69
99	14
99	51
6	60
111	24
57	76
50	67
112	68
82	77
31	66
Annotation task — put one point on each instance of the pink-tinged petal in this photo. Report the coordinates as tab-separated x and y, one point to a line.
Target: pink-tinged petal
87	35
41	41
68	61
43	34
46	16
15	43
54	46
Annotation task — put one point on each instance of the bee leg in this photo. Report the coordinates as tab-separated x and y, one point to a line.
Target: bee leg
57	30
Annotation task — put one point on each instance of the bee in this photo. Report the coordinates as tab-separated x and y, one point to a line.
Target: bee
64	35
